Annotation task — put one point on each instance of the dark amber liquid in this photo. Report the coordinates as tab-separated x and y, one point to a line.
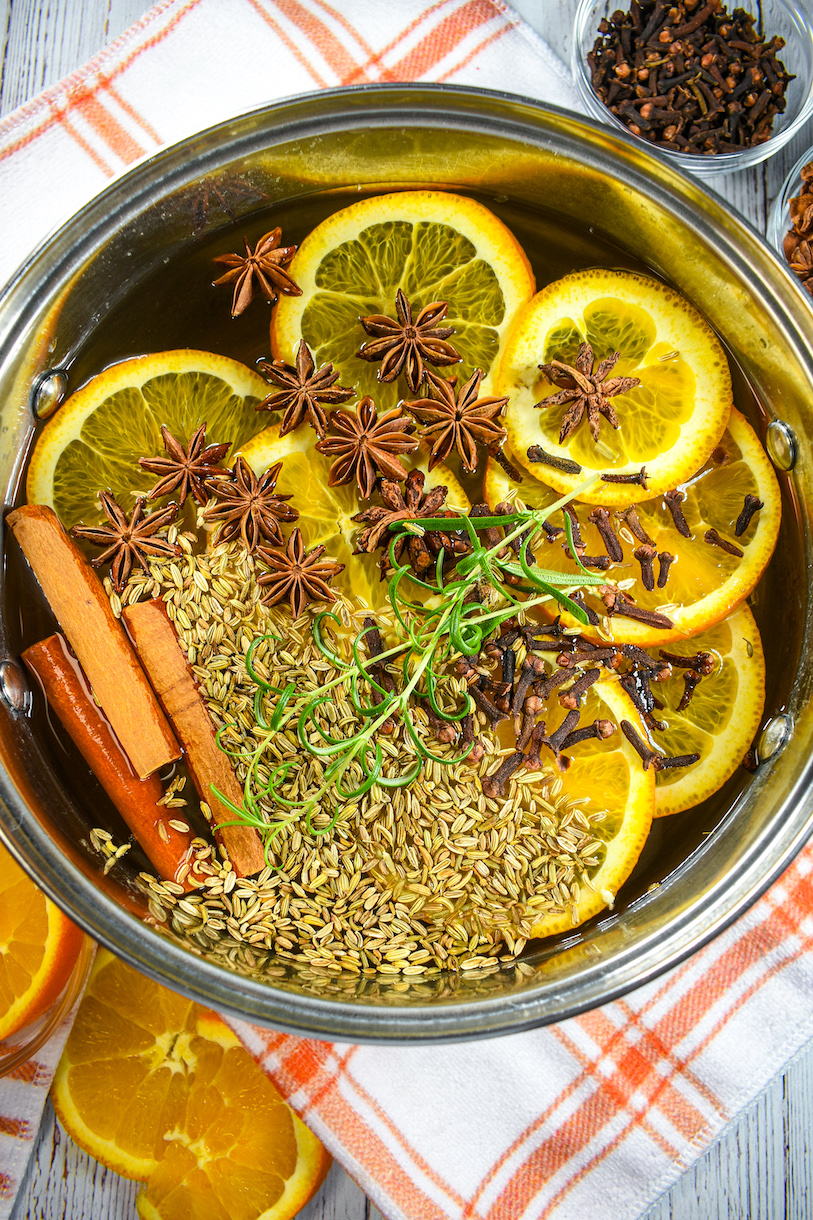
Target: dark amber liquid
177	307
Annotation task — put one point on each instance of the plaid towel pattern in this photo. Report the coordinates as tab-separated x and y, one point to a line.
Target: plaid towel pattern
597	1115
183	67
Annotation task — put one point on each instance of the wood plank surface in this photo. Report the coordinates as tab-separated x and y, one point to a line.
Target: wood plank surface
761	1169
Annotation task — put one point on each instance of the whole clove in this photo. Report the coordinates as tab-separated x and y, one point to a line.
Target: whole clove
494	784
646	557
510	469
665	561
600	517
592	618
616	603
673	501
751	505
537	454
678	760
630	516
696	80
634	480
599	730
713	538
649	758
572	697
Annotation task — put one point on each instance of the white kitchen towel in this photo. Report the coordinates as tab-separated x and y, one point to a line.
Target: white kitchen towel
191	63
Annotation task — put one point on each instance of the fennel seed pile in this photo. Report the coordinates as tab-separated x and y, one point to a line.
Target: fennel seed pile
408	882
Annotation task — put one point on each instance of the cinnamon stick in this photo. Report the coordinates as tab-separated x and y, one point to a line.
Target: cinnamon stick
168	669
77	598
66	688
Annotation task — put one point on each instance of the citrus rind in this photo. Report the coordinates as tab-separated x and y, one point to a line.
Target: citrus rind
722	718
40	947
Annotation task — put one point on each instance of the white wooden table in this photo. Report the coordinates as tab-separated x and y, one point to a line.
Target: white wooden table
762	1168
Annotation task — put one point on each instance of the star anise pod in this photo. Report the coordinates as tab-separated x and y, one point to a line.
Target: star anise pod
458	419
265	264
249	508
364	444
304	389
185	470
399	343
297	575
587	390
404	504
128	540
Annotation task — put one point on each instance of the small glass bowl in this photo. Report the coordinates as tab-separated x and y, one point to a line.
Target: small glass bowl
779	221
25	1043
790	20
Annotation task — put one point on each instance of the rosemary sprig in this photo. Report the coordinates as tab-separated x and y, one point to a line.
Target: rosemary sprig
459	613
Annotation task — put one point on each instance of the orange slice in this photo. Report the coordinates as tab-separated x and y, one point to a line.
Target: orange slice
326	513
669	423
434	245
39	947
605	780
96	438
160	1090
722	717
704	583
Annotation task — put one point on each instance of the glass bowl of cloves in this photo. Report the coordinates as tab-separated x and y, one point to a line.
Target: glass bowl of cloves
712	88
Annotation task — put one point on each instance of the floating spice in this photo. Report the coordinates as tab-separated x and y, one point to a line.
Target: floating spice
689	76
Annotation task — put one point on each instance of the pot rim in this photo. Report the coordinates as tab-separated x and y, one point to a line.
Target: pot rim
432	105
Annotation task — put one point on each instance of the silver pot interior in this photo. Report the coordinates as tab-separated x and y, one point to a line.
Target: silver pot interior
576	196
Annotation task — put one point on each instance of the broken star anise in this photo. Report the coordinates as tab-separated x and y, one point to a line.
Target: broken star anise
265	264
363	444
399	343
248	507
304	389
129	540
587	389
458	419
406	504
184	471
296	574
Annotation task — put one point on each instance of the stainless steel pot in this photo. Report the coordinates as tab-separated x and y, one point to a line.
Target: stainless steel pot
562	171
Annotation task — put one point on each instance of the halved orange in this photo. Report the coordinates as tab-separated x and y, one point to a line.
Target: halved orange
39	947
162	1091
704	583
669	423
720	720
434	245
